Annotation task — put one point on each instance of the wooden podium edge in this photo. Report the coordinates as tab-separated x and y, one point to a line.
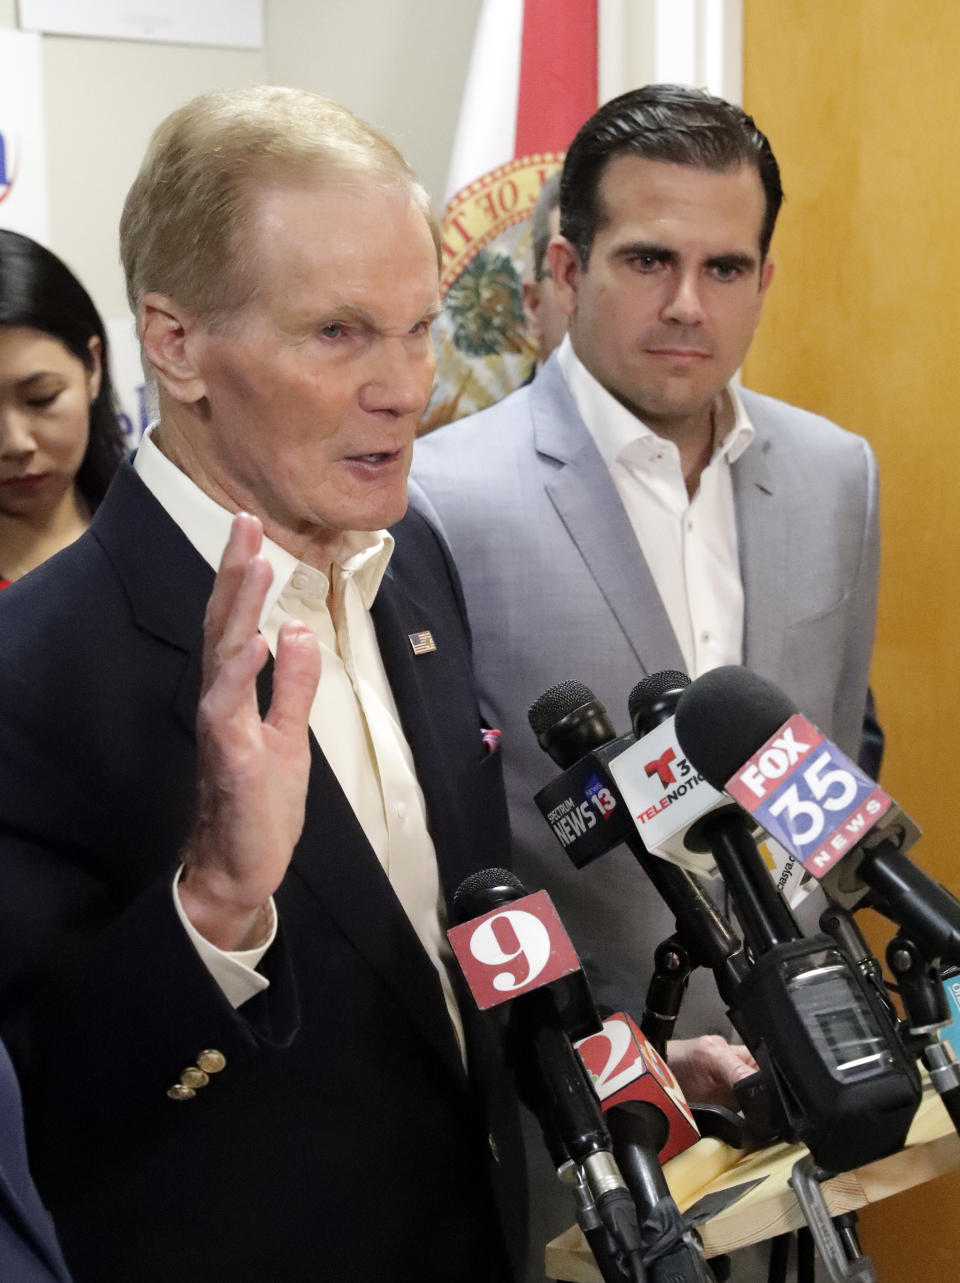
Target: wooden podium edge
932	1148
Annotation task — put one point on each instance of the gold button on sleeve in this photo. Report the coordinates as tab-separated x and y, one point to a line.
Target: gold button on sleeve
194	1077
180	1092
211	1062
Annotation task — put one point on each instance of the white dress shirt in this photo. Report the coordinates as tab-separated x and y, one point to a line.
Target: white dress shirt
353	717
690	545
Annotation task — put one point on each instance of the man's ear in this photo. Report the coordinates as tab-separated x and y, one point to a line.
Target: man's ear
166	332
566	270
531	302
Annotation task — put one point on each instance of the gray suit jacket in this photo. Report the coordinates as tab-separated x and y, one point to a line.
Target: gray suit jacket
557	588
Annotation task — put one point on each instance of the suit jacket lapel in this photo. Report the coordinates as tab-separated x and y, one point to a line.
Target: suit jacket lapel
764	556
350	883
424	704
168	584
347	877
590	508
166	580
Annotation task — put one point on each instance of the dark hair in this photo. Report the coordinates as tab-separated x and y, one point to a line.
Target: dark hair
668	123
547	202
41	293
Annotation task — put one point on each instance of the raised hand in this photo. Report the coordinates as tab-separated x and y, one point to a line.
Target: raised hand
251	773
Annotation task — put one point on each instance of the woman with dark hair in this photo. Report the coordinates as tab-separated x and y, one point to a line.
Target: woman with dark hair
60	440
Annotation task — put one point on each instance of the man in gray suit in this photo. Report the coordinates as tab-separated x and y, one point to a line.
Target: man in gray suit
632	510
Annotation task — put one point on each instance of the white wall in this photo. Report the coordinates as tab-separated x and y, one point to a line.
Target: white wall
399	63
103	99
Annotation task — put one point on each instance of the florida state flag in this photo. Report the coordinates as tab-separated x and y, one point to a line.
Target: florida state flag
532	83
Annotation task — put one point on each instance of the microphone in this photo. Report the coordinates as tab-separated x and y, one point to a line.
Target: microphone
627	1071
650	1122
662	791
815	1024
581	806
511	946
666	794
573	726
713	827
746	736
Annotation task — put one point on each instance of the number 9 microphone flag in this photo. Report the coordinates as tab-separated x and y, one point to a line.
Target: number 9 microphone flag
531	84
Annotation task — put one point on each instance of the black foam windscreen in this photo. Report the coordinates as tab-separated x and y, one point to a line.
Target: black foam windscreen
646	704
556	703
569	721
724	717
485	890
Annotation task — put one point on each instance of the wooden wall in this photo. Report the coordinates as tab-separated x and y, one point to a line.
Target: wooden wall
861	100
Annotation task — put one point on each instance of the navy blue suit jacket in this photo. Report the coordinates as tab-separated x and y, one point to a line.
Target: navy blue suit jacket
343	1138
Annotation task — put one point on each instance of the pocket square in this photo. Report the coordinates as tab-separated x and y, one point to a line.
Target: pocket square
491	738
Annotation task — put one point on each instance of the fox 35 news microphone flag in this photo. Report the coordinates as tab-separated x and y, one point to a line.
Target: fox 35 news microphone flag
532	83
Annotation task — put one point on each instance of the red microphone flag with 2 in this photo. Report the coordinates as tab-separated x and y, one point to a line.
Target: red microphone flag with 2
624	1065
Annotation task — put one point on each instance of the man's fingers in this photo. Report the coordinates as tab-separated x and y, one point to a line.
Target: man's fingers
246	535
708	1066
745	1057
295	676
243	620
742	1070
235	685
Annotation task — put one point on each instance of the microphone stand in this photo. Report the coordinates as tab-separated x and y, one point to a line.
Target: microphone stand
835	1237
609	1258
927	1012
672	1248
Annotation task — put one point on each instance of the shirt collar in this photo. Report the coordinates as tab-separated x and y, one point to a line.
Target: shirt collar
363	554
614	428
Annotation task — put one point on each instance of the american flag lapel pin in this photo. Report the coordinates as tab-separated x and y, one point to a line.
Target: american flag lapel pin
422	643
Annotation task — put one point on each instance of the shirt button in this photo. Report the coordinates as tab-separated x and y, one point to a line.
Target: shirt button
689	525
706	637
402	810
299	579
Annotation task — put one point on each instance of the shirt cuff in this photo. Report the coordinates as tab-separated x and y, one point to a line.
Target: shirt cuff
234	971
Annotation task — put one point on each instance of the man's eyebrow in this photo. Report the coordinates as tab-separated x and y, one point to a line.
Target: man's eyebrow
352	314
746	262
645	249
349	312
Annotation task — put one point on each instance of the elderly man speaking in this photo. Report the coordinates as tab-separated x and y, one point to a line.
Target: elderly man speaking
242	766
